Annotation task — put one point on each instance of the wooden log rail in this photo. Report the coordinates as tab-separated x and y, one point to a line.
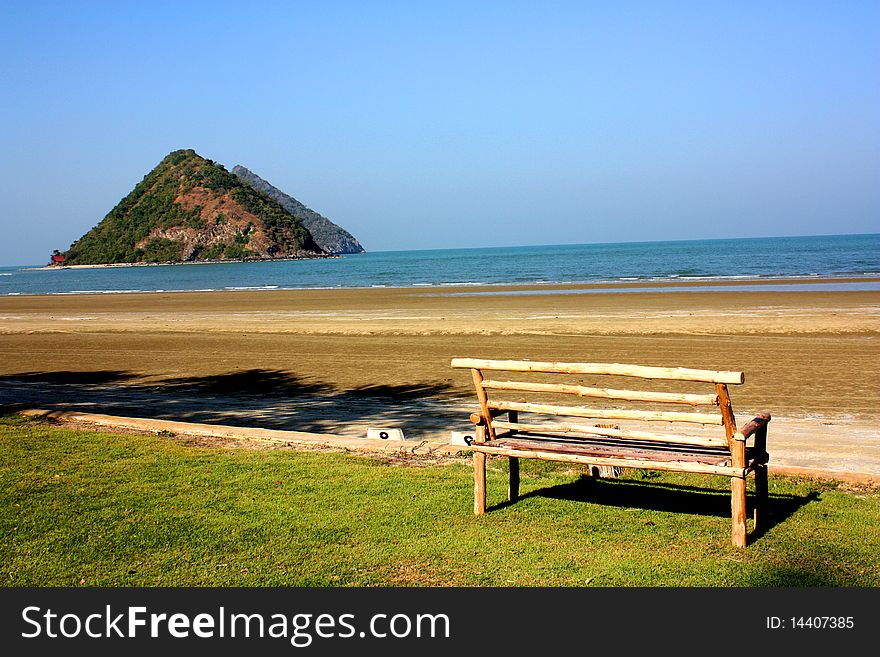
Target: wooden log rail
612	369
604	393
675	439
604	414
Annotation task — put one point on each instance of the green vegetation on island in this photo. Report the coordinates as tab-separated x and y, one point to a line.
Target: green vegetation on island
188	209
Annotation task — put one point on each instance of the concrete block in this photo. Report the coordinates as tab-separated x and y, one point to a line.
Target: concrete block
385	434
464	438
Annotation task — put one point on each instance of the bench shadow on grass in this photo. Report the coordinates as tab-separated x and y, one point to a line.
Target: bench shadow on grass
674	498
264	398
801	569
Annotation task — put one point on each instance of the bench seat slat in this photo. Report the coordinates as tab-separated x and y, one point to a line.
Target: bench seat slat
617	448
618	433
674	466
604	393
605	413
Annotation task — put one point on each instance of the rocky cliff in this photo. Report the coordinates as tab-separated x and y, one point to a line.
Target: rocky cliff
329	236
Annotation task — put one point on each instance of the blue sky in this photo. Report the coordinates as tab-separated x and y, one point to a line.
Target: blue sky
429	125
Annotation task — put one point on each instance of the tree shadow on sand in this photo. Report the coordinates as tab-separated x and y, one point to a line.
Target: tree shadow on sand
265	398
97	377
276	383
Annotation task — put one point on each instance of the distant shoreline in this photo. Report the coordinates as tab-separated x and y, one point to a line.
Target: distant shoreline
166	264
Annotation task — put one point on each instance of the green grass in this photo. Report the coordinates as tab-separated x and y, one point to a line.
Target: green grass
131	510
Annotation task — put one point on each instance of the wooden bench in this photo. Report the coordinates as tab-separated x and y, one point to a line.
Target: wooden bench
731	453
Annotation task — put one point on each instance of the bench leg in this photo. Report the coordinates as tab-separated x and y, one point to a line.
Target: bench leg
761	495
738	510
479	483
513	487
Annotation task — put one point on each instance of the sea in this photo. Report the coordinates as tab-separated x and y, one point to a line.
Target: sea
705	263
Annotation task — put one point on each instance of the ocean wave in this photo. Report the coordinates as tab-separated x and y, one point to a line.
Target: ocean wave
104	292
705	277
708	288
242	288
315	287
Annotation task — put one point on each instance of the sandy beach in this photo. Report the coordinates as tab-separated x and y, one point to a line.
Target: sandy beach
806	355
803	352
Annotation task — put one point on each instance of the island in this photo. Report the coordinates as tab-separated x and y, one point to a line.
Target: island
191	209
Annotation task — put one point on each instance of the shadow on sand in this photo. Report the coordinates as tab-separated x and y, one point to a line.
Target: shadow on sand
272	399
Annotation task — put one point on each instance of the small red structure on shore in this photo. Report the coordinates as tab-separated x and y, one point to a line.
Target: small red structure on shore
58	259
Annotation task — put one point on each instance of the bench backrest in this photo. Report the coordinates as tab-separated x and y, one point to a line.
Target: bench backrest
720	410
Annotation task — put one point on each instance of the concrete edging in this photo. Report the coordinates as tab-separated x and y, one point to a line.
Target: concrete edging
343	443
274	436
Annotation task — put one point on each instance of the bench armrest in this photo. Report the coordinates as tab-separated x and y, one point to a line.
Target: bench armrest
479	420
756	427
